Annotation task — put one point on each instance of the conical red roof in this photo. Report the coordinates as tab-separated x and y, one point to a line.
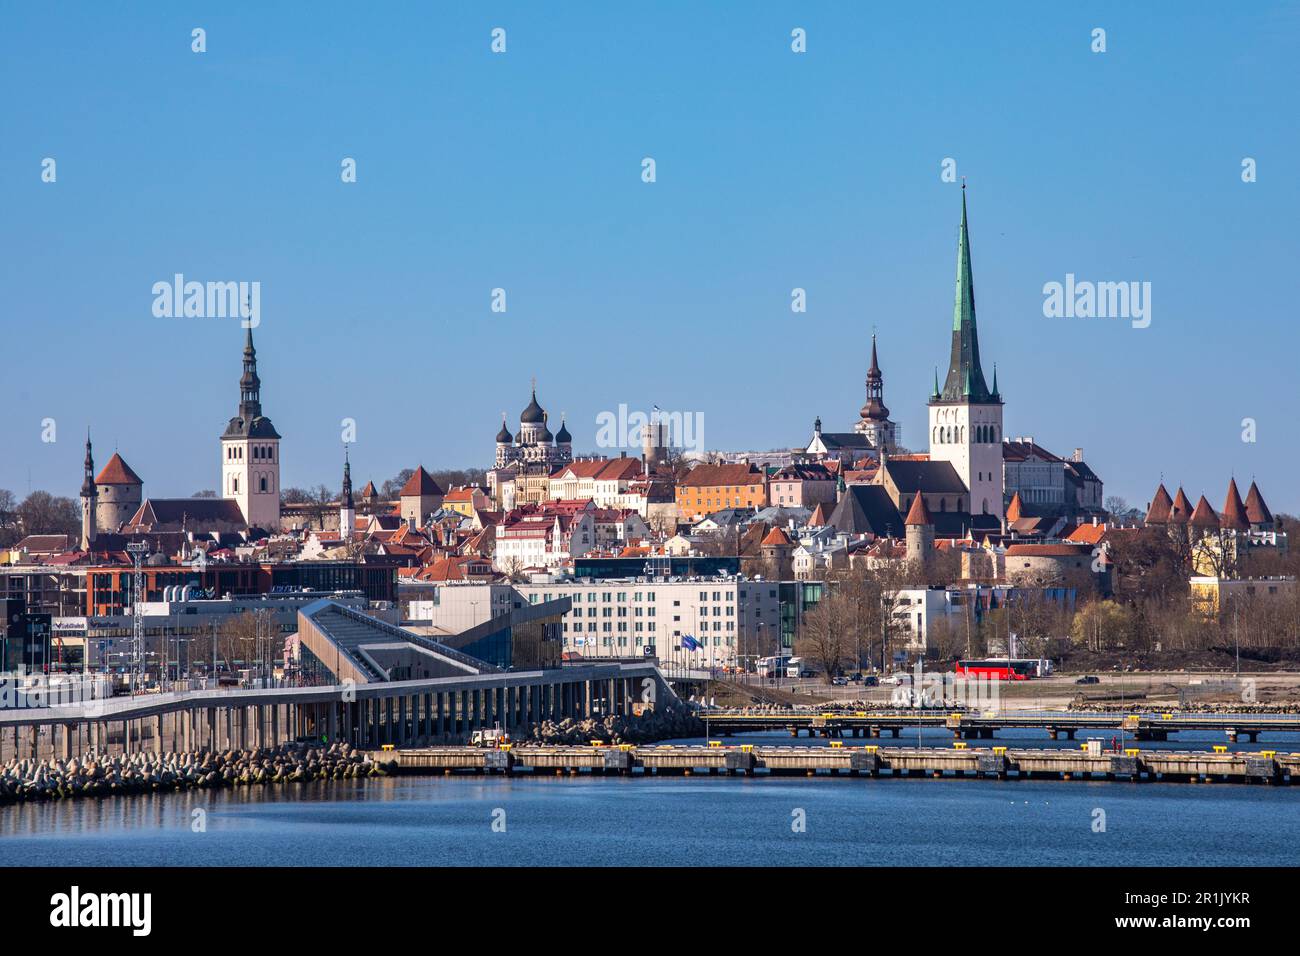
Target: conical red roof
776	537
1181	512
1015	510
818	518
918	514
1256	511
1204	516
369	490
1234	512
1161	504
420	483
118	472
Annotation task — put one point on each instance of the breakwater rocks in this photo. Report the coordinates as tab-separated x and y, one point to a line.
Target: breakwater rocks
648	727
105	775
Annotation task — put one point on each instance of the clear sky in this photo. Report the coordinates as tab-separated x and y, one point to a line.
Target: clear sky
522	171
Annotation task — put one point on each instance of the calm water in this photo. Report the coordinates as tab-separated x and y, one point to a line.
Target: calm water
693	821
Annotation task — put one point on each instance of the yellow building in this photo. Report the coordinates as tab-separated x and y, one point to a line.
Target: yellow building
710	488
1211	594
466	500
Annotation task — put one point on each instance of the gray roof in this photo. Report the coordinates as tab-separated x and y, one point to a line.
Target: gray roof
258	427
844	440
927	477
867	509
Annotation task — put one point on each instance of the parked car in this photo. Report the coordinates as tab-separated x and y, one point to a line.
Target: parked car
1088	679
840	681
870	680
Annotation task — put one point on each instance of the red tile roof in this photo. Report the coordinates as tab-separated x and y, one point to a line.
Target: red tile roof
918	514
776	538
117	472
1048	550
1181	512
420	483
1204	516
1256	510
712	476
1161	505
602	469
1234	512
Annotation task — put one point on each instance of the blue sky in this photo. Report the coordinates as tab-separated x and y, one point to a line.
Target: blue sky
522	171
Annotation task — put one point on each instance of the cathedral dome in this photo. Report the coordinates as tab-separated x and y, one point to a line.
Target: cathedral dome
562	436
533	414
503	436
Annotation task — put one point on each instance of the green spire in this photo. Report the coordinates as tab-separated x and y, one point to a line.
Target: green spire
995	379
963	308
936	382
965	381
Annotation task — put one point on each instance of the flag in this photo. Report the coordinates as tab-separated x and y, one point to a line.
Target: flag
690	643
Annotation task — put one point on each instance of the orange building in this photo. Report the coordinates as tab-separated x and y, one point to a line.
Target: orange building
710	488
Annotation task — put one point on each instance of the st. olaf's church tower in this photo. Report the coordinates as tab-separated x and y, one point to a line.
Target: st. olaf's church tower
250	452
966	415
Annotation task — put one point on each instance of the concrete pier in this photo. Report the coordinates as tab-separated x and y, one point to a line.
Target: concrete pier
924	762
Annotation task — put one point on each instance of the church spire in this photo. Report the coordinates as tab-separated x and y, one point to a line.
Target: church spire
347	480
88	482
874	410
965	381
250	386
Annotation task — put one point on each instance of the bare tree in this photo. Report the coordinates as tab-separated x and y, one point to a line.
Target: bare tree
43	513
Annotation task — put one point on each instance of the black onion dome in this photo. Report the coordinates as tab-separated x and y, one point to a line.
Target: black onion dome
533	414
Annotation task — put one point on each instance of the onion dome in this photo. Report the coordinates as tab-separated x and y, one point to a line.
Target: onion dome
563	437
533	414
503	436
545	437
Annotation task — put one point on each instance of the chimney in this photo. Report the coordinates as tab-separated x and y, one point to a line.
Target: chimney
1078	454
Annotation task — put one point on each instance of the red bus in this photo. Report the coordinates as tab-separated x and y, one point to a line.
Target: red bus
995	669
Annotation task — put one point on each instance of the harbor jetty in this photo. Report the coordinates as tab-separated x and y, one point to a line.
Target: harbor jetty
104	775
1089	762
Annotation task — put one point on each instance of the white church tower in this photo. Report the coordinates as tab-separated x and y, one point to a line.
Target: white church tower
347	509
966	416
250	452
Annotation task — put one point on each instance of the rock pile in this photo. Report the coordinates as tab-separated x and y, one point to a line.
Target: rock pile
650	726
100	775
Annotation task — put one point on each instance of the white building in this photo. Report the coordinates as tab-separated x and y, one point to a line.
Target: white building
606	481
627	618
543	540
